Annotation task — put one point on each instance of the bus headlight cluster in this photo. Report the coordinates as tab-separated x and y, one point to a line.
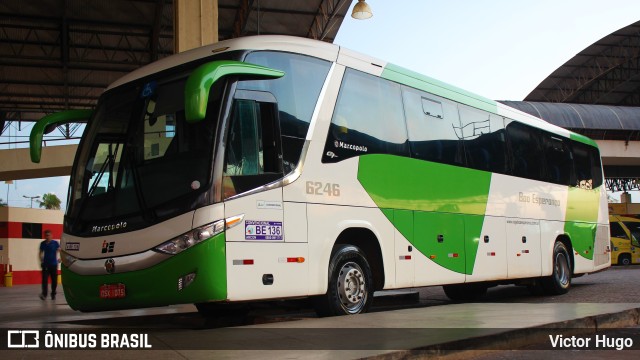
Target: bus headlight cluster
191	238
67	259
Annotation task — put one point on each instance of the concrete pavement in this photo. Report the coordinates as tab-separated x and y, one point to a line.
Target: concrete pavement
453	330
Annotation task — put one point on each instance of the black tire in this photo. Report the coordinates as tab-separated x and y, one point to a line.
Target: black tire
560	280
350	287
465	292
624	259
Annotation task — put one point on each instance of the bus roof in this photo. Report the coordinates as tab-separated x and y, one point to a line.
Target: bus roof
350	58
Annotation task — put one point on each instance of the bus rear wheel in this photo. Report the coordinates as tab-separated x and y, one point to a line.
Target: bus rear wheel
624	259
560	280
350	287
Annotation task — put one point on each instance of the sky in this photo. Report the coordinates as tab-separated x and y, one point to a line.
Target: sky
500	49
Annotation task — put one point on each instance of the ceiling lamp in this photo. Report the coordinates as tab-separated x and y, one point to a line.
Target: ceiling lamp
361	11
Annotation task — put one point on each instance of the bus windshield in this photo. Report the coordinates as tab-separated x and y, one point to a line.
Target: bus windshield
141	161
634	228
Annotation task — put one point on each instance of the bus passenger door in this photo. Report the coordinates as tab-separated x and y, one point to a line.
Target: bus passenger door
260	264
523	248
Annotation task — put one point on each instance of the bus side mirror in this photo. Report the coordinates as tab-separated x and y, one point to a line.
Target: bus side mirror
48	123
196	93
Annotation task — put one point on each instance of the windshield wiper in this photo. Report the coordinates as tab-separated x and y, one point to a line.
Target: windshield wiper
110	162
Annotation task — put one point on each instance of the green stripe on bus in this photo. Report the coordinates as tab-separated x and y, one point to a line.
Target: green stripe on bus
400	183
580	222
415	80
583	139
157	285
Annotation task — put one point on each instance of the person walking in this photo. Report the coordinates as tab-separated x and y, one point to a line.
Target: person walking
49	250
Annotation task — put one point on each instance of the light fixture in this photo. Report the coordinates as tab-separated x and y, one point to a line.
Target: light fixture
361	11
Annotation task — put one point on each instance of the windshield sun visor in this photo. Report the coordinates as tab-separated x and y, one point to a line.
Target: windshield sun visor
202	78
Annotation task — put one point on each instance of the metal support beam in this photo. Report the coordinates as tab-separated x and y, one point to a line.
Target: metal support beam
242	16
196	23
325	18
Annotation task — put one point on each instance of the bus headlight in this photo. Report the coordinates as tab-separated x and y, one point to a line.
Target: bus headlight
67	259
191	238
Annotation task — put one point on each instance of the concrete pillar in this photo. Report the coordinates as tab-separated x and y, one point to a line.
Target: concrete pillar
625	198
195	23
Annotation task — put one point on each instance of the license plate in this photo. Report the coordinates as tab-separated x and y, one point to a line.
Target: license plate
112	291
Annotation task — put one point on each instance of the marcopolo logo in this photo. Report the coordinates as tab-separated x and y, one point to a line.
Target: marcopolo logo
344	145
111	227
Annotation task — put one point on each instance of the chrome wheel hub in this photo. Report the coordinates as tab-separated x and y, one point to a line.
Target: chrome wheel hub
352	287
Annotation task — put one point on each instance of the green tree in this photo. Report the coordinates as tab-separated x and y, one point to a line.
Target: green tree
50	201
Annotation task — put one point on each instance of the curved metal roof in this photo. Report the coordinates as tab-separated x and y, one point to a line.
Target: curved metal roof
600	122
607	72
57	55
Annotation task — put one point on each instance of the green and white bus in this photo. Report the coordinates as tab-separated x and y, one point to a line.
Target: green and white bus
274	167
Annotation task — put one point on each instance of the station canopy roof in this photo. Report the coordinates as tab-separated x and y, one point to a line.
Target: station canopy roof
61	54
605	73
597	92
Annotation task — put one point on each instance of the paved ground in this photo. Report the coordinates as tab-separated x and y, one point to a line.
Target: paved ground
508	318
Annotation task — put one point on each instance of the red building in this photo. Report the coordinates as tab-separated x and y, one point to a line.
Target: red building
21	231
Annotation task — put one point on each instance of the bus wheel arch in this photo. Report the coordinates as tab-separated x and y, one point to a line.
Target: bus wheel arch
356	251
566	240
368	242
559	281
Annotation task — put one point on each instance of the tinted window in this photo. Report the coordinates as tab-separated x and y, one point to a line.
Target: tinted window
587	166
558	159
634	228
31	231
252	156
433	126
596	167
368	119
525	151
615	230
296	92
484	140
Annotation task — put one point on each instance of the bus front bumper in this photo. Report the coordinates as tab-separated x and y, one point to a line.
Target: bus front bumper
160	285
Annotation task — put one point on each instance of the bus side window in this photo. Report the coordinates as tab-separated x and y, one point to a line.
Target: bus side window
253	152
524	149
432	138
558	159
582	166
368	119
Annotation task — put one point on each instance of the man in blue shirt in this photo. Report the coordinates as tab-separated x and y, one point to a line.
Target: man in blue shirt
49	250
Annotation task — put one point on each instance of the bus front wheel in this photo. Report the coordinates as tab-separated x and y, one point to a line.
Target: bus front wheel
350	287
560	280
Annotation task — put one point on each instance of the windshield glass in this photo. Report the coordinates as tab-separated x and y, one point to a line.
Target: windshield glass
634	228
140	160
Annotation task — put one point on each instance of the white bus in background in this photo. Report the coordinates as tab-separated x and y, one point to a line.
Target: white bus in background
276	167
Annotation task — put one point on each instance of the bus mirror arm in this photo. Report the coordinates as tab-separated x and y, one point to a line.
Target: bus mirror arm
199	83
47	124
